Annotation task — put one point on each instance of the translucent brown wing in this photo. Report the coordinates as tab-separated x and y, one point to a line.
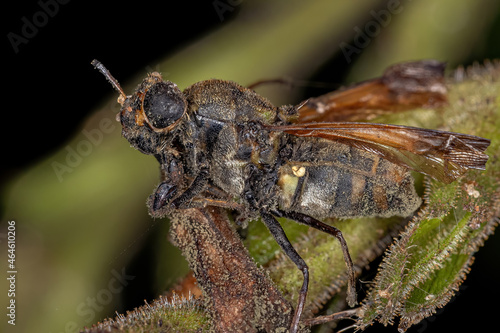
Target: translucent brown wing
402	87
438	154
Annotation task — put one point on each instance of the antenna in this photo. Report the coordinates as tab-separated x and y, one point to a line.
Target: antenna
97	64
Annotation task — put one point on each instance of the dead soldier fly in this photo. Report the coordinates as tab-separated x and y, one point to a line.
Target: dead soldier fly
221	144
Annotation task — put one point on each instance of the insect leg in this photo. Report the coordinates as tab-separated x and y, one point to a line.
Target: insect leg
312	222
196	187
280	237
204	202
163	194
159	201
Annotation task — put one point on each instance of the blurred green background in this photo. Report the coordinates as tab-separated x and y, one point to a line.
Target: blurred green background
85	246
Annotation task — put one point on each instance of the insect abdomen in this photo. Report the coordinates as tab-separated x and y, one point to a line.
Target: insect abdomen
336	180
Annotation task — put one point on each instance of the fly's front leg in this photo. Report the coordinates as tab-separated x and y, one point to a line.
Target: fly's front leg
163	197
280	237
196	187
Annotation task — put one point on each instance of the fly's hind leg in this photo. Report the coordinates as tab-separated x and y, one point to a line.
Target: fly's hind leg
280	237
263	180
312	222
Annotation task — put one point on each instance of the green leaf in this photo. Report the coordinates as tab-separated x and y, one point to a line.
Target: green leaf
425	266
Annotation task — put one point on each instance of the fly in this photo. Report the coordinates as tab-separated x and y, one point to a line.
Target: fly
221	144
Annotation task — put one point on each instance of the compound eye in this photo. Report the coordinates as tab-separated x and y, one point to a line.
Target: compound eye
163	105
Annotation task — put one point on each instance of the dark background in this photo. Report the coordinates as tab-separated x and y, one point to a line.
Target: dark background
51	87
50	82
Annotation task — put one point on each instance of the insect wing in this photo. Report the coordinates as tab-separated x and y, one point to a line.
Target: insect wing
439	154
402	87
